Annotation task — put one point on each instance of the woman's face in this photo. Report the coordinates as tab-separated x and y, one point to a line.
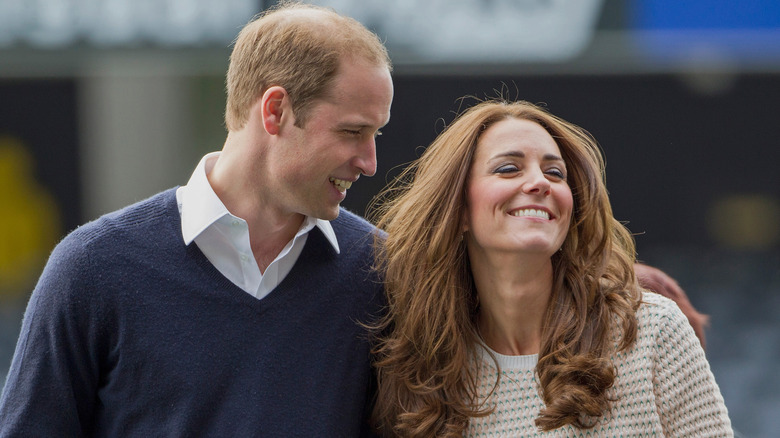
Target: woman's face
518	199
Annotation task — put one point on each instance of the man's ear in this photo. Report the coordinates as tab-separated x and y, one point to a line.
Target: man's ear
272	107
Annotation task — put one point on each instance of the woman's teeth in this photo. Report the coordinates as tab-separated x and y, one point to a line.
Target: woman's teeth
340	184
532	212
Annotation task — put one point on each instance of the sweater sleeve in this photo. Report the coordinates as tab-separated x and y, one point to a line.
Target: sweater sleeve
51	385
688	398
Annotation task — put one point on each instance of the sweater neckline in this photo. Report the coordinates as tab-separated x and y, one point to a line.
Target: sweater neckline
506	362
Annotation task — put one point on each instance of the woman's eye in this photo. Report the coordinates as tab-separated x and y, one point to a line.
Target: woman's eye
506	168
557	173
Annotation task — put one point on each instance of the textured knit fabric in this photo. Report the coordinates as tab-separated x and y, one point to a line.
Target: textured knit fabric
130	333
664	387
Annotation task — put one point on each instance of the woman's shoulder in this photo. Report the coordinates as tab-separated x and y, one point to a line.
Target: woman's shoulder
656	306
660	320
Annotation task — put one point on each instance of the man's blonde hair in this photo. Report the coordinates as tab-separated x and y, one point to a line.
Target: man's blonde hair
298	47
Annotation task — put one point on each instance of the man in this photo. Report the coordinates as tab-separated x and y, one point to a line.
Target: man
233	305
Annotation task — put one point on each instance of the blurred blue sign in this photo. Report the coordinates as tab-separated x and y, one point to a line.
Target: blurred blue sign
727	30
706	14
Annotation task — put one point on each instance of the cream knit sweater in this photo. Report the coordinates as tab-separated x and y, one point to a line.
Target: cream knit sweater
664	387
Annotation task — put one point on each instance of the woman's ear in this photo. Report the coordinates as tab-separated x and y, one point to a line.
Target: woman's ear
272	108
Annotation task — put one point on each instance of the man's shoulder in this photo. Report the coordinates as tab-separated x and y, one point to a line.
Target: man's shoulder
350	222
158	205
108	252
143	218
356	235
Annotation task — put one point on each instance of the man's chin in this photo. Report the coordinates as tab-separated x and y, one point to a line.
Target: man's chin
330	214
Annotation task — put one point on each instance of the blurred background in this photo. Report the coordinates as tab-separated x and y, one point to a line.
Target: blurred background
106	102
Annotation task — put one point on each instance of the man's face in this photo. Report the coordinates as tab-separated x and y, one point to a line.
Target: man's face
315	164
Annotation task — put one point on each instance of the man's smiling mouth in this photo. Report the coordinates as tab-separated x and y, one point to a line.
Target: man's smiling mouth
340	184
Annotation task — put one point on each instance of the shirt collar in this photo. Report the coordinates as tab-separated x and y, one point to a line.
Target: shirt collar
201	207
325	227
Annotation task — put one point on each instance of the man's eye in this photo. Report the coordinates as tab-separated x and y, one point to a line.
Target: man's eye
377	134
352	132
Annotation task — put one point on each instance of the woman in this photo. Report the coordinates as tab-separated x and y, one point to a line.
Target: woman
513	305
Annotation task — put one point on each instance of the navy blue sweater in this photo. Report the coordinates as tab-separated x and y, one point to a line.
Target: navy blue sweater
131	333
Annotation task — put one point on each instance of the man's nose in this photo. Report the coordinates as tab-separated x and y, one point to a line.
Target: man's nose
366	159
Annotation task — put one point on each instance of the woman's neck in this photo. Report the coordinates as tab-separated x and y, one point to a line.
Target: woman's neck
513	297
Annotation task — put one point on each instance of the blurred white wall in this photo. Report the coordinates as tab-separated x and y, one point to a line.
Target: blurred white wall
136	132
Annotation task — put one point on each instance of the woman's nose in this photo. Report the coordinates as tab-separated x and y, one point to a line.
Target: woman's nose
536	183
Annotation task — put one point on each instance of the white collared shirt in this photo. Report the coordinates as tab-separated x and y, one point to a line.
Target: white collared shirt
224	238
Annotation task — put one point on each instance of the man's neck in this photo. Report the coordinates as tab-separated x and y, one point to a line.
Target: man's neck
268	242
270	227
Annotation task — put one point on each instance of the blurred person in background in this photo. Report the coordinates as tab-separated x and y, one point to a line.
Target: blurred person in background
514	309
231	306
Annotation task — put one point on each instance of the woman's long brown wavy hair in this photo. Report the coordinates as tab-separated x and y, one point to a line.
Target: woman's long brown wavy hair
426	348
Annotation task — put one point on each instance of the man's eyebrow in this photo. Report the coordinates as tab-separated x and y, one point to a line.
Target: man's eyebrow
356	124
